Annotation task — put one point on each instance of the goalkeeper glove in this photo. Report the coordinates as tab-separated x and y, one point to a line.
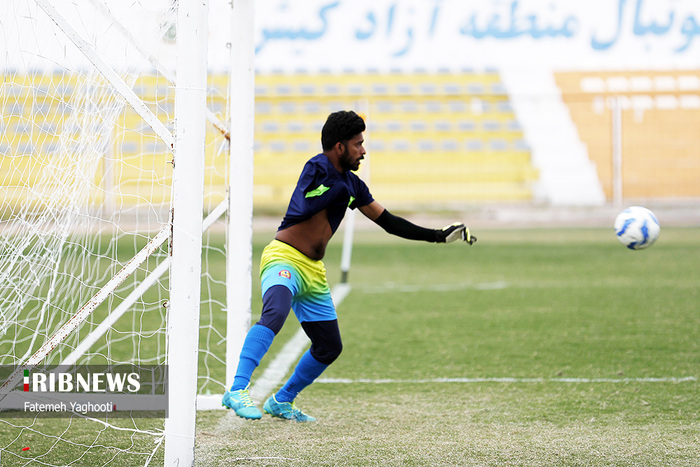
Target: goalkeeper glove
453	232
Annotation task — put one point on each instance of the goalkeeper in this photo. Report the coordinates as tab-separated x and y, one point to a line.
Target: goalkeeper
293	275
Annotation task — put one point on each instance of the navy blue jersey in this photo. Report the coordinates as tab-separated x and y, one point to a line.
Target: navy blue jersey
320	187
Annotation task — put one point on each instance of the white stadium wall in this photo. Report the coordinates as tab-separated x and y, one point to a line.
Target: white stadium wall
360	35
456	34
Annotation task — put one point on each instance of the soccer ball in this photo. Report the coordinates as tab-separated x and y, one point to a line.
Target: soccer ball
637	228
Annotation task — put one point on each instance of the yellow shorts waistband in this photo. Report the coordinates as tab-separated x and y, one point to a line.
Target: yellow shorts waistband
277	251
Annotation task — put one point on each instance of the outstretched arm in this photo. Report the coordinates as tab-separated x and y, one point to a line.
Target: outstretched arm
400	227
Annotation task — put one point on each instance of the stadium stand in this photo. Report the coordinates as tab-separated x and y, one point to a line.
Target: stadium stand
660	138
432	138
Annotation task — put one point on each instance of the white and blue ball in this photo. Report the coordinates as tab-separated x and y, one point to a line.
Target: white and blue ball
637	228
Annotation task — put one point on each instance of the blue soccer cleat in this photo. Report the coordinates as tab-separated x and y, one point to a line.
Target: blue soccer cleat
242	404
286	410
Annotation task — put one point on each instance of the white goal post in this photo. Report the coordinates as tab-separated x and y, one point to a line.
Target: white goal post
239	259
186	248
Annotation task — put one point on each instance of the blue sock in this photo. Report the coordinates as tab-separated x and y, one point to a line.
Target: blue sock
256	344
307	370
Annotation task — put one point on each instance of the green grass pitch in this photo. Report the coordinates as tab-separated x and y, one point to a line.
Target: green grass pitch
567	328
532	347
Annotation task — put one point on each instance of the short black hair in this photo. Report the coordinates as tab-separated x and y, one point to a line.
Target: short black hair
340	127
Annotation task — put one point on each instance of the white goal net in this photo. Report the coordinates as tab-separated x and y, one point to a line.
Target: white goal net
86	128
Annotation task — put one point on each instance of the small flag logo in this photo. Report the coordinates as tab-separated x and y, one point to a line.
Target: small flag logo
26	380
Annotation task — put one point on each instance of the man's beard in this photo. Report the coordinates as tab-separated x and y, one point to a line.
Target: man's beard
346	163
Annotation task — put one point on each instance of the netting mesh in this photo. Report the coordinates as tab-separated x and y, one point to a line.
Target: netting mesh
84	184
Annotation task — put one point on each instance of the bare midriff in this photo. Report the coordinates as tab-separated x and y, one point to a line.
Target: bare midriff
310	237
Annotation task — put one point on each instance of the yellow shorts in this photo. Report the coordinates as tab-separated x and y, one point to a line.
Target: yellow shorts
282	264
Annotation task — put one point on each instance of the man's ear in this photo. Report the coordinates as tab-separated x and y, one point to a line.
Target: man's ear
339	147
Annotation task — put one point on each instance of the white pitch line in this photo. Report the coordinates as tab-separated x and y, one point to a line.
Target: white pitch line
279	367
505	380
